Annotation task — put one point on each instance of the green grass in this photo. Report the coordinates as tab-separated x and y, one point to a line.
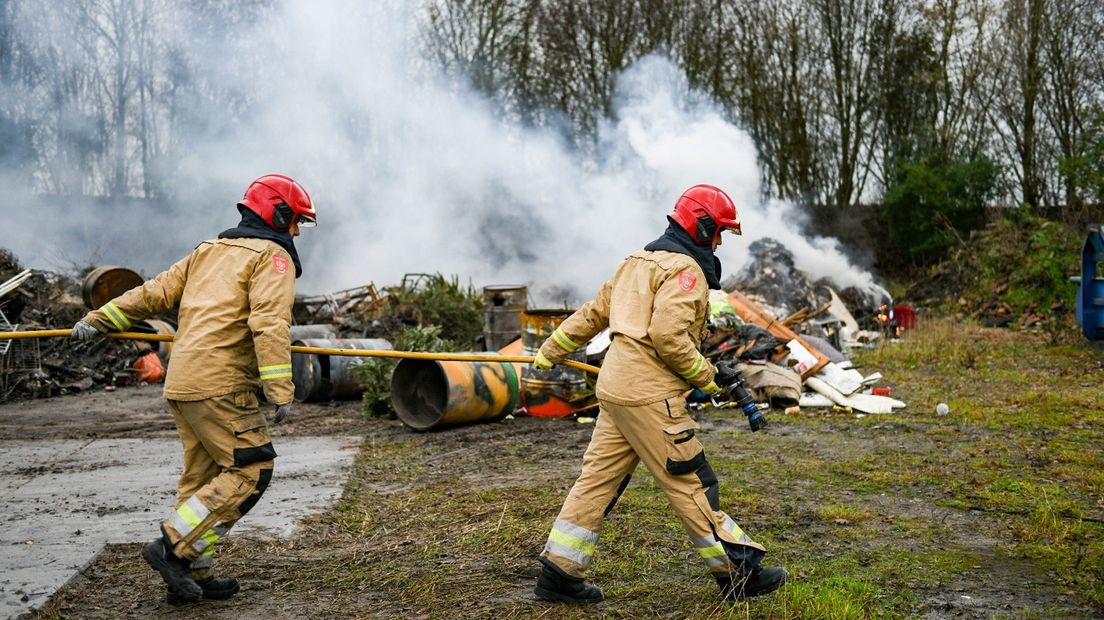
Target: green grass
1028	423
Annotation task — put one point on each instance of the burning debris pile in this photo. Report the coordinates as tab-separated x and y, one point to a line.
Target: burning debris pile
848	318
791	337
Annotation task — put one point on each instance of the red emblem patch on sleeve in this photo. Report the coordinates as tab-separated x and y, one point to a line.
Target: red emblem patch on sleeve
687	281
280	263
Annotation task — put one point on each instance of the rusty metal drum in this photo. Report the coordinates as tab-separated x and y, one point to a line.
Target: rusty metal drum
313	330
105	283
502	308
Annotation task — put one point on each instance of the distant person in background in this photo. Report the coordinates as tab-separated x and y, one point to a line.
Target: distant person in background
656	307
234	296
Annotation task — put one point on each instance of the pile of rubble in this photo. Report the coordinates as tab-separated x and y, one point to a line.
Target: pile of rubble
791	337
418	299
34	300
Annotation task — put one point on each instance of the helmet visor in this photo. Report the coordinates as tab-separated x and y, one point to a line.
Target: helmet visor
305	221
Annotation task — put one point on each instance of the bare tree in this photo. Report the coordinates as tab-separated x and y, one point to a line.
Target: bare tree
707	45
1019	75
662	21
113	24
17	74
101	81
960	28
775	63
1072	41
583	45
849	31
474	39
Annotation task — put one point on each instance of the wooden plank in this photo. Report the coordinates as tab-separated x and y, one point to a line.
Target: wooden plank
751	312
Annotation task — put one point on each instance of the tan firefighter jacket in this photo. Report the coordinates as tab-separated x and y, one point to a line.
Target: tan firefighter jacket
235	298
656	307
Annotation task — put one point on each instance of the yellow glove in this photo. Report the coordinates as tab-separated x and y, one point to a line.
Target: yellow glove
710	388
540	362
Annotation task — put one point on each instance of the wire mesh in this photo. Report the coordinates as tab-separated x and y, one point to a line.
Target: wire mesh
5	326
18	355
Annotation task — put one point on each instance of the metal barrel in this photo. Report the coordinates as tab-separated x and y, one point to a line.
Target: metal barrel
549	392
313	330
105	283
329	377
157	326
502	308
429	394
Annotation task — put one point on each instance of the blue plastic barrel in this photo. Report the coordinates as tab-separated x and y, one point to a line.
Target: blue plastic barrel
1090	291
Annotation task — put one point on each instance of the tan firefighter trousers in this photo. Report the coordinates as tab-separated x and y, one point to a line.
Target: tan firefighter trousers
663	436
228	460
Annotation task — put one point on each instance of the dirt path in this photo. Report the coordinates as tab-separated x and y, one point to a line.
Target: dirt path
142	412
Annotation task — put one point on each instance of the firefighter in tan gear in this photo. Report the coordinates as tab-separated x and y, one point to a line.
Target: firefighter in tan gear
234	296
656	306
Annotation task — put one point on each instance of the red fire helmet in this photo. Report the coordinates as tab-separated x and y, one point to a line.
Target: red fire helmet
705	211
279	200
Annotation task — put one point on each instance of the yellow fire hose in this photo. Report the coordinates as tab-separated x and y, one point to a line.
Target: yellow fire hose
447	357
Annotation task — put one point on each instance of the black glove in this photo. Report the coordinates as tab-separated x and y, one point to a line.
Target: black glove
726	374
282	412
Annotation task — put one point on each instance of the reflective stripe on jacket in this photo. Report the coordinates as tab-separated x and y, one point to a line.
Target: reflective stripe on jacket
234	298
656	307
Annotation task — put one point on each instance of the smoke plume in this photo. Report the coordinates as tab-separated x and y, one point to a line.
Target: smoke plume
410	173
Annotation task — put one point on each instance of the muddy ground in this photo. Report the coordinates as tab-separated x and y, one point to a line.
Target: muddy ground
141	412
383	553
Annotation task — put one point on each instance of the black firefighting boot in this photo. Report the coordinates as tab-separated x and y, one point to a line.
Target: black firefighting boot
214	589
176	572
761	580
555	585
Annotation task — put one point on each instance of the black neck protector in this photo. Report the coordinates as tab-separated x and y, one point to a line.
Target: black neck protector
253	227
677	240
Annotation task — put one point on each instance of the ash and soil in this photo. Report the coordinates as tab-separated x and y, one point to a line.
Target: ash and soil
118	584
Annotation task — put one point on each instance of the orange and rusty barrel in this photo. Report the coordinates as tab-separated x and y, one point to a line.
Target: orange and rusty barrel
502	308
430	394
103	284
557	392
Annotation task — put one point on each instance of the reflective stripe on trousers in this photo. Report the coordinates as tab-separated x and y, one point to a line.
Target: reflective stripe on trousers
188	517
711	550
661	436
572	542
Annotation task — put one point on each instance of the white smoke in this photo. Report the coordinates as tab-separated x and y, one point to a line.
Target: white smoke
411	174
